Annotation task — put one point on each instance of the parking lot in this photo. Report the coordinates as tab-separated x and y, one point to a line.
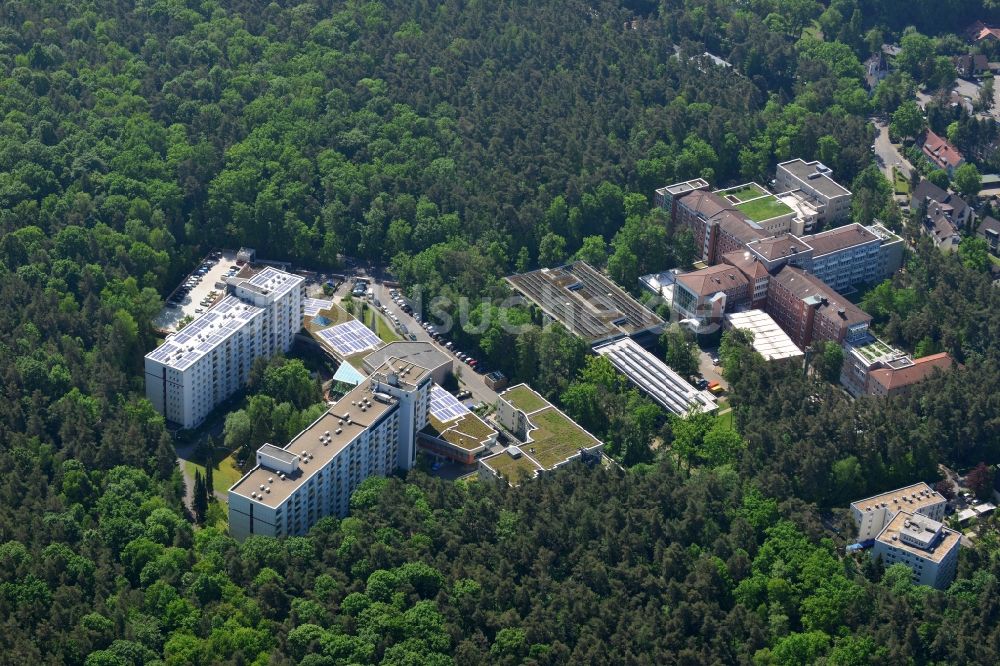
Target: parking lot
710	371
191	301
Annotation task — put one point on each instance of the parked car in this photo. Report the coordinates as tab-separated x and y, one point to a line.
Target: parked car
198	311
462	395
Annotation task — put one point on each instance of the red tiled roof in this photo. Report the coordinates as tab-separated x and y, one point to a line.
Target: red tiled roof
840	238
804	285
921	369
707	203
747	263
780	246
712	280
979	31
940	151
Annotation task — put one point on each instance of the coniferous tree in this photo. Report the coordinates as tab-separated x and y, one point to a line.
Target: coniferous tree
209	464
199	503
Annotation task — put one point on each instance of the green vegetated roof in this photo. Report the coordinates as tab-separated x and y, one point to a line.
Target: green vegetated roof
874	350
467	432
763	208
555	438
524	399
514	470
743	192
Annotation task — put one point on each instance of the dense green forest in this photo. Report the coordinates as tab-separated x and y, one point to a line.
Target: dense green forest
456	141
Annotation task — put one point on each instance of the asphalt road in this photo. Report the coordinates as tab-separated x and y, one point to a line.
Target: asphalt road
467	377
887	153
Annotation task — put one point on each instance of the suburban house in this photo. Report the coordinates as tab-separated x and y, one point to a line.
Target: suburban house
989	230
941	152
979	31
953	206
969	66
876	69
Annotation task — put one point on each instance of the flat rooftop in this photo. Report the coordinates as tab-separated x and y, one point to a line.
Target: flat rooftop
873	350
817	175
553	437
513	470
764	208
182	349
345	421
467	432
423	354
841	238
922	530
684	187
768	339
271	281
656	378
362	407
586	302
911	498
347	339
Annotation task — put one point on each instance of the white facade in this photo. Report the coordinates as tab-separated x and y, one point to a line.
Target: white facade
281	295
923	544
832	200
871	515
849	266
205	362
371	431
208	360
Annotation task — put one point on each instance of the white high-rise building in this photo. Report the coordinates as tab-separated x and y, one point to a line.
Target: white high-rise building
280	295
371	431
925	545
871	515
208	360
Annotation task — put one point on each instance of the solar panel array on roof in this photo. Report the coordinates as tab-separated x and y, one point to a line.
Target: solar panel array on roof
586	302
202	335
274	281
312	306
349	338
655	377
444	406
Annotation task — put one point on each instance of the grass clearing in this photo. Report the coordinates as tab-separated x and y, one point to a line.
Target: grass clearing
900	184
383	329
224	473
763	208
